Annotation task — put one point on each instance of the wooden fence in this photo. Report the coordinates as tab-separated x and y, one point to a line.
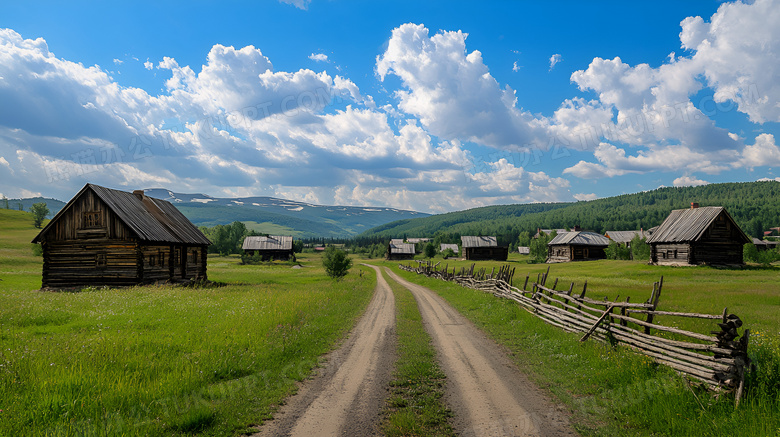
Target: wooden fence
718	359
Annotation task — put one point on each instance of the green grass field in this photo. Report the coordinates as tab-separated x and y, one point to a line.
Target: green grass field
162	360
216	361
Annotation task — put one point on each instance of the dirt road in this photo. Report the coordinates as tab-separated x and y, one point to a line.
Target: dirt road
348	395
485	391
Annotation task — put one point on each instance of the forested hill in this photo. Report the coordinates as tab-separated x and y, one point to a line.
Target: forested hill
754	205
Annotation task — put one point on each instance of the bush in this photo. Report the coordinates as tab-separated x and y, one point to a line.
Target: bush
448	253
640	249
336	262
538	247
39	212
617	251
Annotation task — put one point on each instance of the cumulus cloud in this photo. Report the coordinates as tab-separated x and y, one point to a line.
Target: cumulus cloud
554	59
235	125
318	57
688	181
452	91
764	152
148	65
586	197
516	67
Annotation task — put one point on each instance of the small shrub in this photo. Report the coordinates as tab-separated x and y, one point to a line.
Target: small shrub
448	253
37	250
430	250
336	262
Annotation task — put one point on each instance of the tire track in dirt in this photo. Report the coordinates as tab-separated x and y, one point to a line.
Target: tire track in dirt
347	397
485	390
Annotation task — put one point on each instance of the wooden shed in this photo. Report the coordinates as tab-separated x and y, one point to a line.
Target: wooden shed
706	235
452	247
110	237
577	246
396	250
483	248
272	247
625	237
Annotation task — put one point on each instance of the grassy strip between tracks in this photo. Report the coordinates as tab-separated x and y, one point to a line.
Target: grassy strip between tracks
415	406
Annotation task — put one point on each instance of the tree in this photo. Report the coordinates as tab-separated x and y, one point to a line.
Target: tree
539	247
429	250
640	249
39	212
336	262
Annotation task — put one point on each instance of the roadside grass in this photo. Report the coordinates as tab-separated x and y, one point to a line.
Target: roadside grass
415	406
163	360
612	391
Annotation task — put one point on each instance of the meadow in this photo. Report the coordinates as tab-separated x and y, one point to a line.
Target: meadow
612	391
163	360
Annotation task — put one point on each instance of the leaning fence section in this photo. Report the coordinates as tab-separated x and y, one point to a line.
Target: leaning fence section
718	358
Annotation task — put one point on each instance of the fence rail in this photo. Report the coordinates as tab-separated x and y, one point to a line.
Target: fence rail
717	359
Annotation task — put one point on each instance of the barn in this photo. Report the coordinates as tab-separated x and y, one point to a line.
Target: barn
272	247
577	246
625	237
483	248
706	235
109	237
397	251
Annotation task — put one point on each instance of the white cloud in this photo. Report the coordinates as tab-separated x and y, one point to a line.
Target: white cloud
300	4
585	197
318	57
764	152
452	92
118	61
777	179
554	59
148	65
516	67
688	181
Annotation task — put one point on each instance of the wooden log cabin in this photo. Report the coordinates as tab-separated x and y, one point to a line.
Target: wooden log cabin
706	235
116	238
272	247
399	250
483	248
577	246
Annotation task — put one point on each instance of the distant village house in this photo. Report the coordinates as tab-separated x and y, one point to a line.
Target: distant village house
109	237
483	248
577	246
706	235
452	247
272	247
399	251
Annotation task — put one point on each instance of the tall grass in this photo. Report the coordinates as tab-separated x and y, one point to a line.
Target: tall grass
165	360
612	391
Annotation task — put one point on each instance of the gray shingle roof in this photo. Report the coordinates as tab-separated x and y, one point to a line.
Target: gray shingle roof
402	248
689	225
454	247
581	238
271	242
470	241
624	236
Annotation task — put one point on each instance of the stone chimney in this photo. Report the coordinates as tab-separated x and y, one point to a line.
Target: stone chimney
139	194
694	205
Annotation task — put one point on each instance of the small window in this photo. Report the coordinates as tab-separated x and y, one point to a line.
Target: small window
93	219
100	260
161	258
152	260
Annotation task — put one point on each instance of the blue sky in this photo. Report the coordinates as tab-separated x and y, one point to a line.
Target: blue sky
432	106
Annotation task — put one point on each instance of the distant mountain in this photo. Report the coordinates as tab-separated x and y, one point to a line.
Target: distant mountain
263	214
755	206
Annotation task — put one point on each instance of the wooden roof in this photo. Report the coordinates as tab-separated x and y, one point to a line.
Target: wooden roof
470	241
271	242
402	248
453	247
581	238
624	236
150	219
683	225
